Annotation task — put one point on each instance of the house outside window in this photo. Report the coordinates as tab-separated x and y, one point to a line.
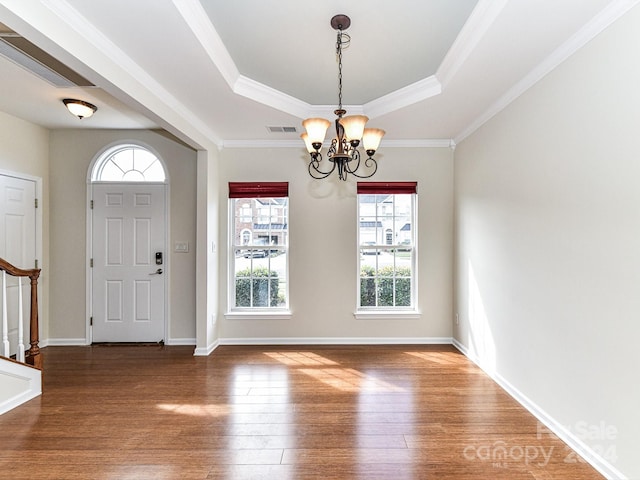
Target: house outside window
387	244
259	231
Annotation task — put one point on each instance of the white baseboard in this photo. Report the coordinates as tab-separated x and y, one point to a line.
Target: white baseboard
63	342
180	341
338	341
574	442
82	342
204	351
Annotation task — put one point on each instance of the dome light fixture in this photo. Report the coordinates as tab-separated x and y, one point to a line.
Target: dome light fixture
80	108
350	130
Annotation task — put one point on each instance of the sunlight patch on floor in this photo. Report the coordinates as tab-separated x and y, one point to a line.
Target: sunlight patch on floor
196	410
300	358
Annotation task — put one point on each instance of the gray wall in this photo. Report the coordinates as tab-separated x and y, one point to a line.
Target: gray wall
71	154
323	246
548	244
24	149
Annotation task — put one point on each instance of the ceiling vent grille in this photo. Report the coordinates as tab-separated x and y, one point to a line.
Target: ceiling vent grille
30	57
282	129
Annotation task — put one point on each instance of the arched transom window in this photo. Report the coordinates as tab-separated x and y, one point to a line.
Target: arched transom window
128	163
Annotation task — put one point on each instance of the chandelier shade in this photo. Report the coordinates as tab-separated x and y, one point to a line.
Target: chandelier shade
354	127
343	153
371	138
316	129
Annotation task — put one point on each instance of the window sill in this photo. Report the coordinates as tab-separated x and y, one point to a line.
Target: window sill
387	315
259	315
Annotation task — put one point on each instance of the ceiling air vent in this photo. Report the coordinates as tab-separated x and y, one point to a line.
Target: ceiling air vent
282	129
30	57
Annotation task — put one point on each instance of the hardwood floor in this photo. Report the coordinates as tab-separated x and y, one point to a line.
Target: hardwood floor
339	412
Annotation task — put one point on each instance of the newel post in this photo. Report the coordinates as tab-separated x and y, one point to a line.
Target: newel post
33	356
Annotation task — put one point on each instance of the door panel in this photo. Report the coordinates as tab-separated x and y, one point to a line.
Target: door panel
127	290
17	245
18	217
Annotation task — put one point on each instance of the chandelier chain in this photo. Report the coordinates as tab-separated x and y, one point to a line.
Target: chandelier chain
339	52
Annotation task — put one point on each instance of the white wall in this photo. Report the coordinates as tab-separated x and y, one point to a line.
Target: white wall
548	244
24	149
71	154
323	248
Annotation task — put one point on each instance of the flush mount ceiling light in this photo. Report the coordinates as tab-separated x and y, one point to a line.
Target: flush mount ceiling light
80	108
350	131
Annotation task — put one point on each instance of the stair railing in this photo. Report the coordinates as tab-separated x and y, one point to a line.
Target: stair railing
32	356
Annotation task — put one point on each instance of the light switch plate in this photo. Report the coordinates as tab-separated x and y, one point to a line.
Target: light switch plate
181	247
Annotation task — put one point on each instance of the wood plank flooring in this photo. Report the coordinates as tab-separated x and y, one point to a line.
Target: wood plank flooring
304	412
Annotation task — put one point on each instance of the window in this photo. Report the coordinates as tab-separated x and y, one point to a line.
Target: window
386	238
259	214
128	163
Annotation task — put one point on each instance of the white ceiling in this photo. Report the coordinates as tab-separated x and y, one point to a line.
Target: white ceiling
219	73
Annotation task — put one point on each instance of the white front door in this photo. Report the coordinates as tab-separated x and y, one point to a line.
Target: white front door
128	284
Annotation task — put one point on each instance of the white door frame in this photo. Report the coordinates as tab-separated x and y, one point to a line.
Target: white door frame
38	181
89	253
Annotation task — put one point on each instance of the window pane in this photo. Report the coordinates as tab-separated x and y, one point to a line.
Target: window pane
142	159
124	159
259	239
155	172
111	172
386	250
129	164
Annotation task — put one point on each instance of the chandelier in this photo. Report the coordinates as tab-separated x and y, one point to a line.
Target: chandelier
350	131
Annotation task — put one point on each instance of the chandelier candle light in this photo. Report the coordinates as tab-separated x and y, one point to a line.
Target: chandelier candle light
350	131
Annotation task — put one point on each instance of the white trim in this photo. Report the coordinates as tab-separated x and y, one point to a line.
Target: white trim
180	341
65	342
606	17
198	21
203	352
33	378
387	315
338	341
259	315
474	29
575	443
403	97
422	143
400	143
271	97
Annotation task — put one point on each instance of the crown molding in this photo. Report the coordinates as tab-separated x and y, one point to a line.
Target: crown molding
599	23
414	93
474	29
271	97
406	143
198	21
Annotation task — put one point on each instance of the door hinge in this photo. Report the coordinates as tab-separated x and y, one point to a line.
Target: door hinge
91	321
36	202
36	263
91	263
91	204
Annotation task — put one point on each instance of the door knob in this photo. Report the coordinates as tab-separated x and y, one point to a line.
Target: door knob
157	272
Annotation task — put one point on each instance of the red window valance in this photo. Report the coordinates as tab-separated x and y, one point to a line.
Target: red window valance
386	188
258	189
